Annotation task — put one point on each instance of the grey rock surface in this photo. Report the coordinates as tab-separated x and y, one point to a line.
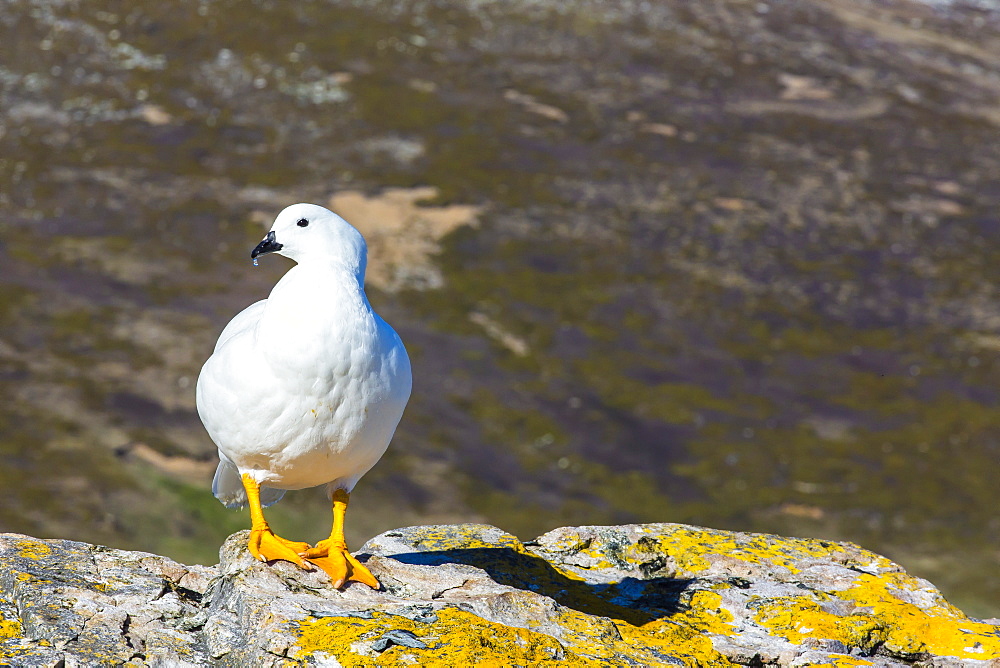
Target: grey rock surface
64	601
654	594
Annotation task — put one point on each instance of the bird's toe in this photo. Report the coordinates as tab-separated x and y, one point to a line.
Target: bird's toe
342	567
267	546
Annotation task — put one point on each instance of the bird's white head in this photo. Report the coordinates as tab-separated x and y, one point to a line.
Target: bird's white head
308	233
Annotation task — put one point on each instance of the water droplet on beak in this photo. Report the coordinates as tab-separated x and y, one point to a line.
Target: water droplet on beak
255	262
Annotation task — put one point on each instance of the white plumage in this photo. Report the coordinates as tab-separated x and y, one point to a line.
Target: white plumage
306	387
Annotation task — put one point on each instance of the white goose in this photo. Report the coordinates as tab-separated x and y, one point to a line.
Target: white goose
305	387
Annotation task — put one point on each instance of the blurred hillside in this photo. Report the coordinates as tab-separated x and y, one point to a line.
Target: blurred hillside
729	263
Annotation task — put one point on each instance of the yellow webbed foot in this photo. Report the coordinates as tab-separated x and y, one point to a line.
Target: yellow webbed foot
339	564
265	545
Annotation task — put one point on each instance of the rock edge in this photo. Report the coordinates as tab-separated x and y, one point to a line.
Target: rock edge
650	594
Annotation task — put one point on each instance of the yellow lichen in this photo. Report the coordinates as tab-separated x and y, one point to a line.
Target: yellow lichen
462	638
846	661
465	537
798	618
32	549
457	638
690	548
9	628
880	617
941	630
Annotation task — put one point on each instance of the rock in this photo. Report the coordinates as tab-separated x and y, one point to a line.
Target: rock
651	594
63	601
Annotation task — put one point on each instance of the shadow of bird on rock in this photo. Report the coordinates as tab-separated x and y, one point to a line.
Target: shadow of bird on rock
631	600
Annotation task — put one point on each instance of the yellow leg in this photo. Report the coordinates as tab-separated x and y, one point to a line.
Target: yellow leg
331	554
264	544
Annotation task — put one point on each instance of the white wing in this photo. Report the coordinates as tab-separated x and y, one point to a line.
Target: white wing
245	319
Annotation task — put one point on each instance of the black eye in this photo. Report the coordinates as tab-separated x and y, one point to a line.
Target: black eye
302	222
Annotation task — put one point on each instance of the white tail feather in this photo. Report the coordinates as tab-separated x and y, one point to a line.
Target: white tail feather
228	488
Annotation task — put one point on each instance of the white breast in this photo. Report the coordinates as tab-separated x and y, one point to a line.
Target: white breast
307	387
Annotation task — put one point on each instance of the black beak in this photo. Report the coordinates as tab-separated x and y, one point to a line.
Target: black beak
268	245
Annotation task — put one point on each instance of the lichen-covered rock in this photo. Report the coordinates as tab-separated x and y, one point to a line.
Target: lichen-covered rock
655	594
68	603
782	600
